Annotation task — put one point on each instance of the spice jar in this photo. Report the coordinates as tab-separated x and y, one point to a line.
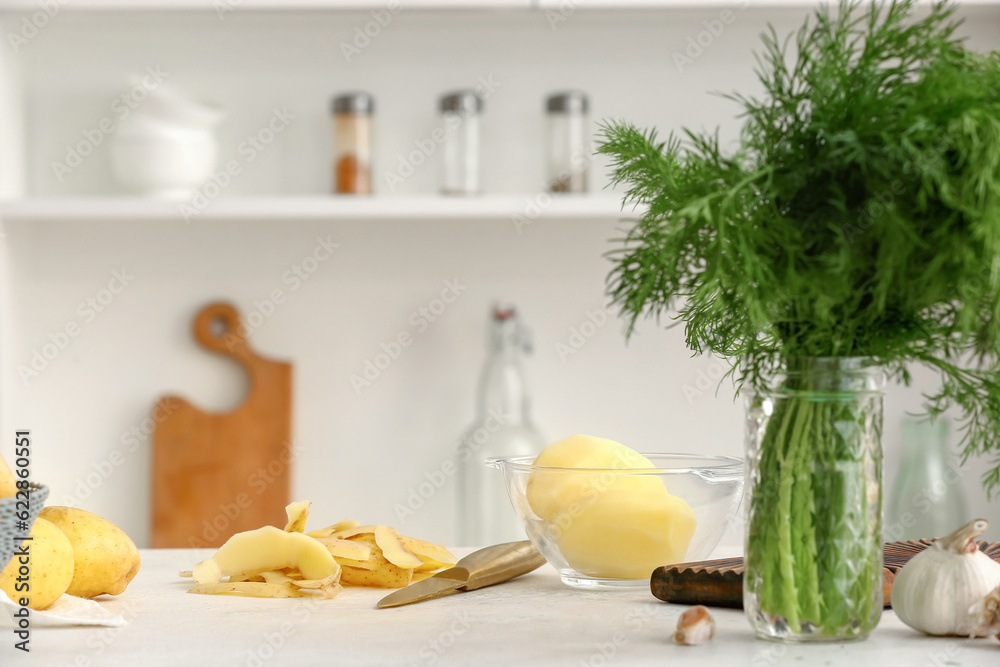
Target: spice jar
568	153
352	143
460	117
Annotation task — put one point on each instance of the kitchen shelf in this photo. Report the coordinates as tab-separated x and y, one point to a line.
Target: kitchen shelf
537	206
734	5
217	6
224	6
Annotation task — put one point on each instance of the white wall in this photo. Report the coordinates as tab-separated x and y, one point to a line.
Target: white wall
361	452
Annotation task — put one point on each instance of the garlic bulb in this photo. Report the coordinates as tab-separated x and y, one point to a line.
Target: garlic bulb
935	590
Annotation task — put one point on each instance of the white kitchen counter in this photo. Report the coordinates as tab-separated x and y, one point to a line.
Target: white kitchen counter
533	620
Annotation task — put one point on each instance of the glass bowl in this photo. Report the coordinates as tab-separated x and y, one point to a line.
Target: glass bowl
610	528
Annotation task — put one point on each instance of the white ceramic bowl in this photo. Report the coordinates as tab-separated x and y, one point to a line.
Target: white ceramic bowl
166	165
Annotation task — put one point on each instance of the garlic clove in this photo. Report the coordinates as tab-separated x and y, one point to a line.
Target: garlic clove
985	615
695	626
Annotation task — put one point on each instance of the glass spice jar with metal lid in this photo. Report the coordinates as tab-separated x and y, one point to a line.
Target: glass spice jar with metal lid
460	111
352	143
568	155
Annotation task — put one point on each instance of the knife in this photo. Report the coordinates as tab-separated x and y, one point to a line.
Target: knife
492	565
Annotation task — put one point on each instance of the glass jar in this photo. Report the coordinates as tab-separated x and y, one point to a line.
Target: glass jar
927	499
352	143
460	117
814	479
568	157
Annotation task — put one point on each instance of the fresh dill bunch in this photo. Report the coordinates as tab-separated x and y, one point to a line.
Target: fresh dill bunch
859	215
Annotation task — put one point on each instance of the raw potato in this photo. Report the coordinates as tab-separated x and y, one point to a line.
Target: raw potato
105	559
587	451
270	548
298	514
606	523
627	534
384	575
550	493
8	484
51	566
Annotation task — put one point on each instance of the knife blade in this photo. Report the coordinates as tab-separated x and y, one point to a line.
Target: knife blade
492	565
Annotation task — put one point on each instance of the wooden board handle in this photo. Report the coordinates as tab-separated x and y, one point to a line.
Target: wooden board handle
217	327
208	467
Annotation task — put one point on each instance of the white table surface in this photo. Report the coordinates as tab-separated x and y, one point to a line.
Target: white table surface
534	620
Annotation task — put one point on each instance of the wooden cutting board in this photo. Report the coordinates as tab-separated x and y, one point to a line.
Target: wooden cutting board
218	474
719	583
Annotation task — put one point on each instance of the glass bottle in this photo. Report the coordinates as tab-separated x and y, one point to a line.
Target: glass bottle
460	117
813	568
568	154
503	427
927	498
352	147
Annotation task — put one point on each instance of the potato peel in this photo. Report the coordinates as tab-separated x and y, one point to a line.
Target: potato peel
318	584
433	566
348	533
331	592
344	524
346	548
269	548
207	572
428	551
273	563
252	589
370	564
392	548
274	577
298	515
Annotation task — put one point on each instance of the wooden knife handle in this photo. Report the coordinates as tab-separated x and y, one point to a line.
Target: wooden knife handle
719	583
